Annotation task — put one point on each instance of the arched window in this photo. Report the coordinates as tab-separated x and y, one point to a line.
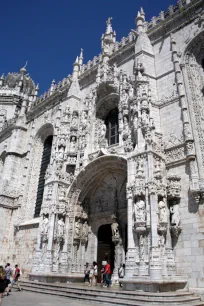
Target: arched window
41	183
112	127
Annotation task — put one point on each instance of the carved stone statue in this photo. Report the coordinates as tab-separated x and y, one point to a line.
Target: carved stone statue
78	227
60	228
163	213
126	130
115	230
102	133
74	123
139	211
84	119
85	230
44	226
175	215
73	144
124	98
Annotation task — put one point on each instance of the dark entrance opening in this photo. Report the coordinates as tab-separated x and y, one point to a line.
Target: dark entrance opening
106	247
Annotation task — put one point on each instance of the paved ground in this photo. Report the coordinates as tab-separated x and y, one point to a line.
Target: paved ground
24	298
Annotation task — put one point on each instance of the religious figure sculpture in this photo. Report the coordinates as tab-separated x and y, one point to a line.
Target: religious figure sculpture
85	230
126	130
163	213
44	226
139	211
102	131
74	123
115	230
175	215
78	226
60	228
73	144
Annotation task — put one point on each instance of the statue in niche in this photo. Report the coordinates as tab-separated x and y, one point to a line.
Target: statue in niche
78	226
73	144
85	230
44	225
175	215
60	228
115	229
61	153
84	118
139	210
126	130
62	141
124	97
163	213
145	117
102	130
131	93
74	123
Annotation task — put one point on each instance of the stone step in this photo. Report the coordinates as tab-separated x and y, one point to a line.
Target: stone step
113	297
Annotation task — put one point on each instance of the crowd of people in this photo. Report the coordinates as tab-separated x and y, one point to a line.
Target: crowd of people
5	279
91	273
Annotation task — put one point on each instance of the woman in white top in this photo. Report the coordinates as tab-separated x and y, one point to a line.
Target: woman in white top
95	273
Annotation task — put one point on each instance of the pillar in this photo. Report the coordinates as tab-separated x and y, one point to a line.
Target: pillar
64	259
48	263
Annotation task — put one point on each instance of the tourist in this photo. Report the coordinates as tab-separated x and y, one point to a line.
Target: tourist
86	273
16	276
107	275
2	282
94	273
8	271
121	272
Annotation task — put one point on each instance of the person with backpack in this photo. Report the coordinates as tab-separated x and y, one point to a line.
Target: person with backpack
16	277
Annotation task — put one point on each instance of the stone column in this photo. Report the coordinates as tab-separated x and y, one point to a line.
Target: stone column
83	245
64	258
130	258
48	263
37	256
155	262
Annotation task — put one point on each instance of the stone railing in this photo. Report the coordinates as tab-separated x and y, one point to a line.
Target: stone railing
165	15
56	88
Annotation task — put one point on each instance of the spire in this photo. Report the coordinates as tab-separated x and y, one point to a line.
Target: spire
81	57
140	20
75	68
142	13
23	70
109	26
74	89
52	87
107	40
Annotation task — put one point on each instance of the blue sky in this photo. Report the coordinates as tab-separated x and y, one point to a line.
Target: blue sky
49	34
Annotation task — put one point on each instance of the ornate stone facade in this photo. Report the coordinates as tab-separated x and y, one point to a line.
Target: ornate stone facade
127	151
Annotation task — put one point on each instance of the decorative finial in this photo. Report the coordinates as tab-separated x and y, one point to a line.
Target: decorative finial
109	26
23	70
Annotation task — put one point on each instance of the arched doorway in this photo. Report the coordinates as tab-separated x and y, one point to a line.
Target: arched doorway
102	199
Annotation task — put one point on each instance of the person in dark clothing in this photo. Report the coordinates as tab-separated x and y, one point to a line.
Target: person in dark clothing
86	273
2	282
